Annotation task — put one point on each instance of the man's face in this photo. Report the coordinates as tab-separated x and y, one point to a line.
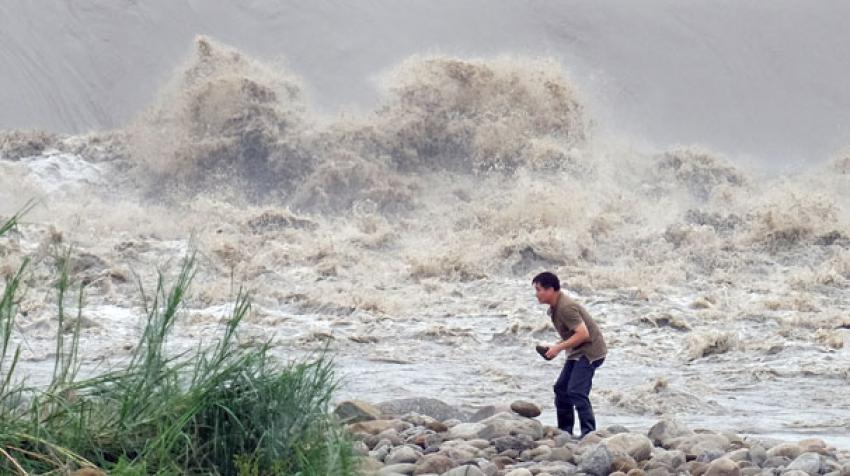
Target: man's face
544	295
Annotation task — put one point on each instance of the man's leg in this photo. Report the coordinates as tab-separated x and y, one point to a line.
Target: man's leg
578	392
563	405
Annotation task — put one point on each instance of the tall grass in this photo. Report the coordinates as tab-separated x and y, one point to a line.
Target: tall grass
217	409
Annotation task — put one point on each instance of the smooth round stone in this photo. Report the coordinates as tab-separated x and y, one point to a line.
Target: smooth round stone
525	408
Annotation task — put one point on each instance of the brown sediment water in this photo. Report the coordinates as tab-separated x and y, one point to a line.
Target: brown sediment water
404	239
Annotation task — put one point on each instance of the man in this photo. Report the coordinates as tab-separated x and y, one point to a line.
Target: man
585	348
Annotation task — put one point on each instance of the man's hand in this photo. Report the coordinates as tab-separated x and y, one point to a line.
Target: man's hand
554	351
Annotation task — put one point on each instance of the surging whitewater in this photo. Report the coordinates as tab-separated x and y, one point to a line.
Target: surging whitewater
405	238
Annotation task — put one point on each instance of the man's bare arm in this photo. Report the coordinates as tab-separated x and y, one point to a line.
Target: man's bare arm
580	336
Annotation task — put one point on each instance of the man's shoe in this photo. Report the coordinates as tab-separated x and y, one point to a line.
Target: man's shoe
542	349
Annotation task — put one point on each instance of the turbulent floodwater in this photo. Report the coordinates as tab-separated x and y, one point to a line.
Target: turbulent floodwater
405	238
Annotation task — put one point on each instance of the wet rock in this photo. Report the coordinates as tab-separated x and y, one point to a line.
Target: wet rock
758	454
376	426
723	467
488	468
811	463
561	454
597	461
393	469
539	453
465	431
402	454
787	450
635	445
354	411
623	464
431	407
665	430
526	409
487	411
519	443
466	470
659	472
742	454
505	424
558	469
433	464
776	462
672	458
752	471
814	445
359	448
501	461
616	429
369	465
519	472
708	452
636	472
795	472
698	444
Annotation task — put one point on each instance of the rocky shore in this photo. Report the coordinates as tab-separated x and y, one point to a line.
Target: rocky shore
422	436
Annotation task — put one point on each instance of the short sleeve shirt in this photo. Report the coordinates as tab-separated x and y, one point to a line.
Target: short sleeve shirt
566	316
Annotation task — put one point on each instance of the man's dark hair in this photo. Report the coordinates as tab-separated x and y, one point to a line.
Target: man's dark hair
547	280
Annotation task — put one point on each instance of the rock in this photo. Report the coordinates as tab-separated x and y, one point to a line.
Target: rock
465	431
561	454
501	461
519	472
845	469
488	411
488	468
635	445
795	472
811	463
401	468
697	444
597	461
434	464
381	453
636	472
559	469
369	465
672	459
758	454
623	463
616	429
536	454
359	448
458	455
659	472
776	462
788	450
708	452
374	427
723	467
466	470
519	443
754	471
424	406
402	454
742	454
667	429
478	443
505	424
526	409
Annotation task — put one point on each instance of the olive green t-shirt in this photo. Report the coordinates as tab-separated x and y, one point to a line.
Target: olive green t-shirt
566	316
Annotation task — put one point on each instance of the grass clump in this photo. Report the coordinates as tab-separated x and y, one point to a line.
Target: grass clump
218	409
